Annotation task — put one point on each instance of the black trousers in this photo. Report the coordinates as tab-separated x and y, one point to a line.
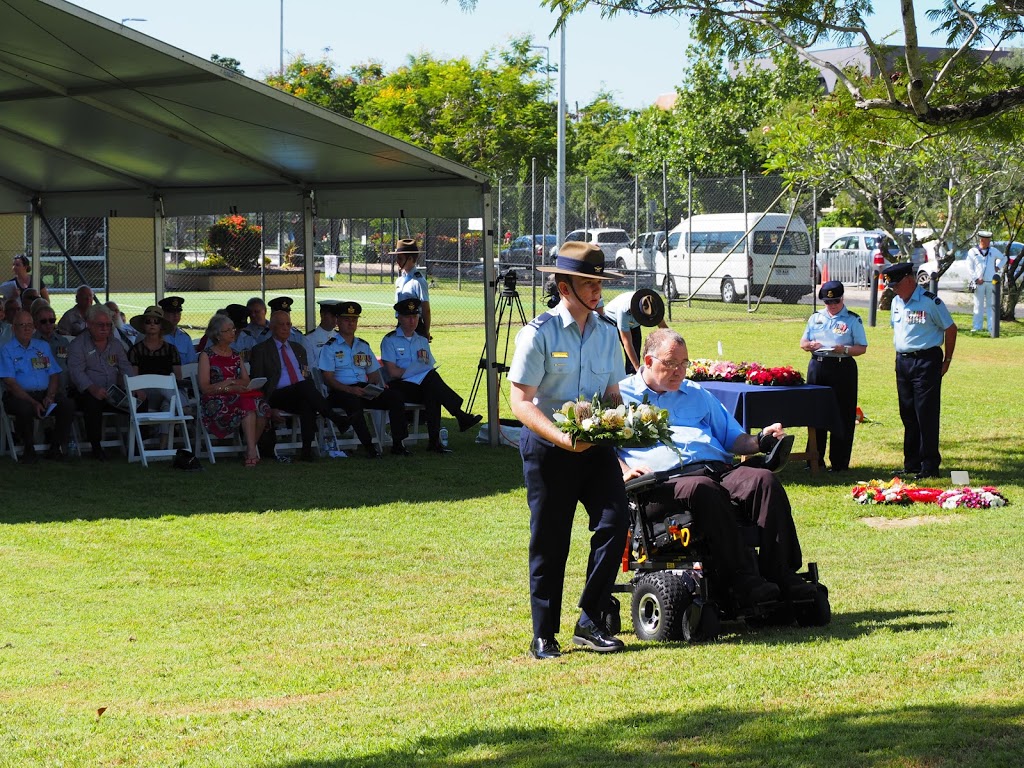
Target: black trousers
839	373
305	401
919	389
433	393
389	400
24	415
556	481
92	414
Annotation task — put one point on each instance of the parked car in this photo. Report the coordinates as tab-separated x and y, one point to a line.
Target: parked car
525	248
852	257
608	239
640	254
958	276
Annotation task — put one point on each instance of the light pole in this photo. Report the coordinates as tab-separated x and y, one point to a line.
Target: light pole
280	70
123	21
560	160
547	69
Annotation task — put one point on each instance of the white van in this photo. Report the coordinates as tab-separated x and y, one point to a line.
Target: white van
708	256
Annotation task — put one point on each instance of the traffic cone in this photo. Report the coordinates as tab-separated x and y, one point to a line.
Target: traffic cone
824	273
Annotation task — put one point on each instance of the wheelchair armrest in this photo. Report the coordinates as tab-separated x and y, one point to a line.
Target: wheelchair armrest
644	481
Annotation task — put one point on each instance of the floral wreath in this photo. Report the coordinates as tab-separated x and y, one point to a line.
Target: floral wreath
744	372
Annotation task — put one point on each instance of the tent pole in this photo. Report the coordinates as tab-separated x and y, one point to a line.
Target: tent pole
490	325
158	249
308	267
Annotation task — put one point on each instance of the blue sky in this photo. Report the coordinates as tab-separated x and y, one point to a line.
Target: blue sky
637	59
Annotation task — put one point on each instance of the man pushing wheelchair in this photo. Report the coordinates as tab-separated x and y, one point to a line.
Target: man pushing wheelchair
697	474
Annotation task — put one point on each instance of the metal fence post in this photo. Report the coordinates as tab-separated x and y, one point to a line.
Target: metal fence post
997	305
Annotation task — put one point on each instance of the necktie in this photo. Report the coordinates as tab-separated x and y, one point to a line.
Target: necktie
293	377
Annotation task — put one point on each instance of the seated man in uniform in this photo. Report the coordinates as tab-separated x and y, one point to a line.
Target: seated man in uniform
177	338
324	332
348	365
288	388
46	330
73	321
410	367
706	434
32	388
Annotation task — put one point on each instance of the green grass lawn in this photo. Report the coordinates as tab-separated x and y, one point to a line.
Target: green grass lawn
364	614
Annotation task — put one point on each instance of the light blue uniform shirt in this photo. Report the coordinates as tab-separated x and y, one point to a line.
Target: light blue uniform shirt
412	354
30	366
349	364
844	329
920	322
182	342
412	284
563	365
702	430
618	310
314	341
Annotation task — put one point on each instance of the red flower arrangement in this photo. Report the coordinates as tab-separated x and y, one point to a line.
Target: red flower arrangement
782	376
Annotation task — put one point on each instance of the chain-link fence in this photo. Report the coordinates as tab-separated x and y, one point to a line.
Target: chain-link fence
219	259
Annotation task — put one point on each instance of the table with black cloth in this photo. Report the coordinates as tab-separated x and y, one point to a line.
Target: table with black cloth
755	406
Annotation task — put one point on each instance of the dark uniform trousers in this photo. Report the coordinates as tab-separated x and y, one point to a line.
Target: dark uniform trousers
305	401
635	337
92	414
919	389
433	393
24	414
839	373
389	400
743	493
556	480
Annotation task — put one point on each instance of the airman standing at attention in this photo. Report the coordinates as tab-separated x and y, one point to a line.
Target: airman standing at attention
412	282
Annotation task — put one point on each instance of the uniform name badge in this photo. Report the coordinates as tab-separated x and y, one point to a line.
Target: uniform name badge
560	355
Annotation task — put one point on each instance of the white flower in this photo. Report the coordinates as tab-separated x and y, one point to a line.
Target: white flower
587	424
627	433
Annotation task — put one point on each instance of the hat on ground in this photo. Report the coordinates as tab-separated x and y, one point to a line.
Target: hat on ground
139	321
238	313
583	259
407	247
896	272
171	303
409	306
831	289
647	307
985	233
281	303
348	309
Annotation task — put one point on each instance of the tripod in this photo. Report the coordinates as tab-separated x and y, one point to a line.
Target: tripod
508	301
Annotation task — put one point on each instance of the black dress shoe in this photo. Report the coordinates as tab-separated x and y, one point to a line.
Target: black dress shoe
596	639
306	454
752	590
838	469
795	588
56	453
400	450
545	648
371	452
925	474
468	421
98	453
904	472
438	448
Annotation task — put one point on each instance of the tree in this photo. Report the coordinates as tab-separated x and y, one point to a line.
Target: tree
319	83
952	90
598	146
228	63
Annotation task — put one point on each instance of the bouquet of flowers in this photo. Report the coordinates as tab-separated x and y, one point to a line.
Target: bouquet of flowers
782	376
637	425
718	370
894	491
972	498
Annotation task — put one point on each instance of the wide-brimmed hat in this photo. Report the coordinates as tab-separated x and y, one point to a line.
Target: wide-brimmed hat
139	321
647	307
831	289
406	247
583	259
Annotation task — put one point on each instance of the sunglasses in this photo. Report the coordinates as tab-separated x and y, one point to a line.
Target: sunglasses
833	301
151	321
47	320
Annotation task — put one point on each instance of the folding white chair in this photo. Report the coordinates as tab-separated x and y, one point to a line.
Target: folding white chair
166	419
7	441
205	445
189	394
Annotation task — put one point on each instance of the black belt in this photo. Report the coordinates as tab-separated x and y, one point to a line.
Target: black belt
920	352
823	359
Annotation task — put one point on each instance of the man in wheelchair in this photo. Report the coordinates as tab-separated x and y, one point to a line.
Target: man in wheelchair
701	476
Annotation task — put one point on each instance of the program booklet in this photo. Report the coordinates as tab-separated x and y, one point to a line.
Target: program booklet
257	383
371	390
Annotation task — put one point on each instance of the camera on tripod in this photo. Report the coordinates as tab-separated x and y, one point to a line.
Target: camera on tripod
507	282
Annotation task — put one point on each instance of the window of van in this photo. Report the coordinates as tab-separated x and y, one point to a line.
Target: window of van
716	242
793	243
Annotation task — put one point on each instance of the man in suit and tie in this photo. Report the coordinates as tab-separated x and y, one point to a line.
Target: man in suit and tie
283	362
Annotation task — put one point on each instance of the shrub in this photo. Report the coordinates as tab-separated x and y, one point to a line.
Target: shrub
236	241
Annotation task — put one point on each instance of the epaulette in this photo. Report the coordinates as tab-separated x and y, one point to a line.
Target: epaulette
854	314
357	338
931	295
417	273
330	341
540	319
391	333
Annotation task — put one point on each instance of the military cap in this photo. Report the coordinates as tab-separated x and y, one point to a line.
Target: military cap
281	303
171	303
831	289
409	306
896	272
349	309
647	307
985	233
329	305
238	313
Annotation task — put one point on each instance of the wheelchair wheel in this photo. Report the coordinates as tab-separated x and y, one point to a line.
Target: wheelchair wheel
659	601
700	622
818	612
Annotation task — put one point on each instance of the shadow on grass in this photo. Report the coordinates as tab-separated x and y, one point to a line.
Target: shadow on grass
929	735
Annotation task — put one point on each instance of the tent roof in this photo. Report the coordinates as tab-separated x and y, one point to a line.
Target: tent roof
99	119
